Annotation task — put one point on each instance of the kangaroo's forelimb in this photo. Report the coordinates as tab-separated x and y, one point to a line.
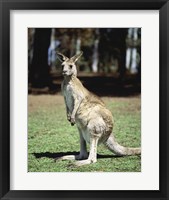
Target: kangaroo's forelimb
77	102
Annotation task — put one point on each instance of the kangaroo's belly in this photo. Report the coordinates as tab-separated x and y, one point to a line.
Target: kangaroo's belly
69	100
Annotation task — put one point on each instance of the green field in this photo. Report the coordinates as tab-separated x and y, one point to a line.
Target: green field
50	136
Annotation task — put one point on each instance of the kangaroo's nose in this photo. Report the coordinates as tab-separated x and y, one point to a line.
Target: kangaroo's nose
64	71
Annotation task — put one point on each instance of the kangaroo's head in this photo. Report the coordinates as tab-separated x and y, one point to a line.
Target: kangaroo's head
68	64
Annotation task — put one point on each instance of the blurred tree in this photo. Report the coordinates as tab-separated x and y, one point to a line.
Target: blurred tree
118	39
31	32
112	44
133	50
87	45
39	70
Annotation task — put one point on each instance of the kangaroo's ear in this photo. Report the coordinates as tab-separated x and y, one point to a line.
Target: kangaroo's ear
76	57
61	57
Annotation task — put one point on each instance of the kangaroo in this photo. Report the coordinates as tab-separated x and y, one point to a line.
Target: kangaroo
94	121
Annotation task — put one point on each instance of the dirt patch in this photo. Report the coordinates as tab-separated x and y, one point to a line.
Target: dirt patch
36	102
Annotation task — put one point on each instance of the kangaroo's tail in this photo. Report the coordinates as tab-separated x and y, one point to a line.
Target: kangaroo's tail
120	150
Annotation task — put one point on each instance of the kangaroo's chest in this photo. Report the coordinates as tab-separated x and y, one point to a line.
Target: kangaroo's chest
68	95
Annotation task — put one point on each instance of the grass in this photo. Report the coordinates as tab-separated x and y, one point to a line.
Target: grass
50	136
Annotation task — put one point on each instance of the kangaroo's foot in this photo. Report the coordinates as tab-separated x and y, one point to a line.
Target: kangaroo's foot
84	162
74	157
81	156
68	157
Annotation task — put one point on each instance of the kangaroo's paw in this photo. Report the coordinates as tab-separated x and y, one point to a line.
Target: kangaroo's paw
72	121
68	117
84	162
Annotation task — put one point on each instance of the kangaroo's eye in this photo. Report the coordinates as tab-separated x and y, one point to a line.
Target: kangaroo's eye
70	66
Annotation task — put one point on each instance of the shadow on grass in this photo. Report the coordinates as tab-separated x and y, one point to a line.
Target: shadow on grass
60	154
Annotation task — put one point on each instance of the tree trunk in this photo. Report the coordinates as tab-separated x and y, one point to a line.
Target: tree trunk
39	76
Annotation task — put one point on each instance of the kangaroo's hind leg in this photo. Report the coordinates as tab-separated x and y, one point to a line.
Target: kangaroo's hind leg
83	150
92	158
95	129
